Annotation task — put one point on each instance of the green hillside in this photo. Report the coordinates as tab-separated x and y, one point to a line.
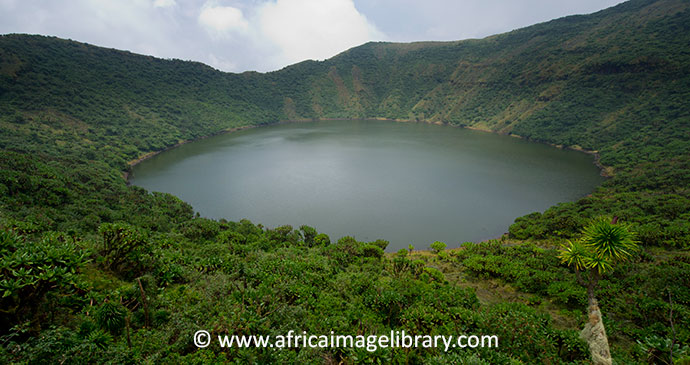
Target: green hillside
95	270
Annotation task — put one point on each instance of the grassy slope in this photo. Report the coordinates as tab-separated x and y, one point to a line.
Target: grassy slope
72	115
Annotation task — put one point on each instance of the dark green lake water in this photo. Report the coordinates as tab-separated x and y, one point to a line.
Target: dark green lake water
409	183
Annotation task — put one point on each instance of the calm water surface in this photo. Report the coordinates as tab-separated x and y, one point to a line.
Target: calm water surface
409	183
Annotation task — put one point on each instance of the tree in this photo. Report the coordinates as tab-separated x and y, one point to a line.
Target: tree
380	243
308	233
123	246
322	239
438	246
603	243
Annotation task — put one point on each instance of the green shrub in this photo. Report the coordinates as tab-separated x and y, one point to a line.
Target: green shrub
322	239
372	251
568	293
434	274
30	269
200	229
125	248
380	243
308	234
401	264
111	317
438	246
418	267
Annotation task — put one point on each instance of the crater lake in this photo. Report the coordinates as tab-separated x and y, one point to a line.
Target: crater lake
408	183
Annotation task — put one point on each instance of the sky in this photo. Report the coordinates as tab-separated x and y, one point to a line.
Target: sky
267	35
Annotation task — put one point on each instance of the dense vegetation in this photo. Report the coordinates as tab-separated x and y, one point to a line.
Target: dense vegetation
94	270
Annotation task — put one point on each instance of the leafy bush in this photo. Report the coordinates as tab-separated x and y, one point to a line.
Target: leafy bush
372	251
33	268
309	235
432	274
568	293
380	243
200	229
124	248
111	317
438	246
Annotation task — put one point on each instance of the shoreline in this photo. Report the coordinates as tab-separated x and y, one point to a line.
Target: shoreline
146	156
604	171
149	155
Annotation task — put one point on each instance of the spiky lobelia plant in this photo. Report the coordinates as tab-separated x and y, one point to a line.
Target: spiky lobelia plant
609	239
603	243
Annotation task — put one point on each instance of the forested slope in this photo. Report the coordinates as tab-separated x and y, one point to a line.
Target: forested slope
72	115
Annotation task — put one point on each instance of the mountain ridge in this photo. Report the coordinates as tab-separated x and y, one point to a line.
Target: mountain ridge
453	82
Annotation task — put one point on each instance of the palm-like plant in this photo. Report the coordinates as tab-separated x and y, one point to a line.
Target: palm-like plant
604	242
575	254
599	264
609	240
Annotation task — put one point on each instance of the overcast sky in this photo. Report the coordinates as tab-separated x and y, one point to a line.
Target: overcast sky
266	35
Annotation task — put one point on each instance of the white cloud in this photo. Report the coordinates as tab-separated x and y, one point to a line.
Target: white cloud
164	3
222	63
221	20
276	33
264	35
313	29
